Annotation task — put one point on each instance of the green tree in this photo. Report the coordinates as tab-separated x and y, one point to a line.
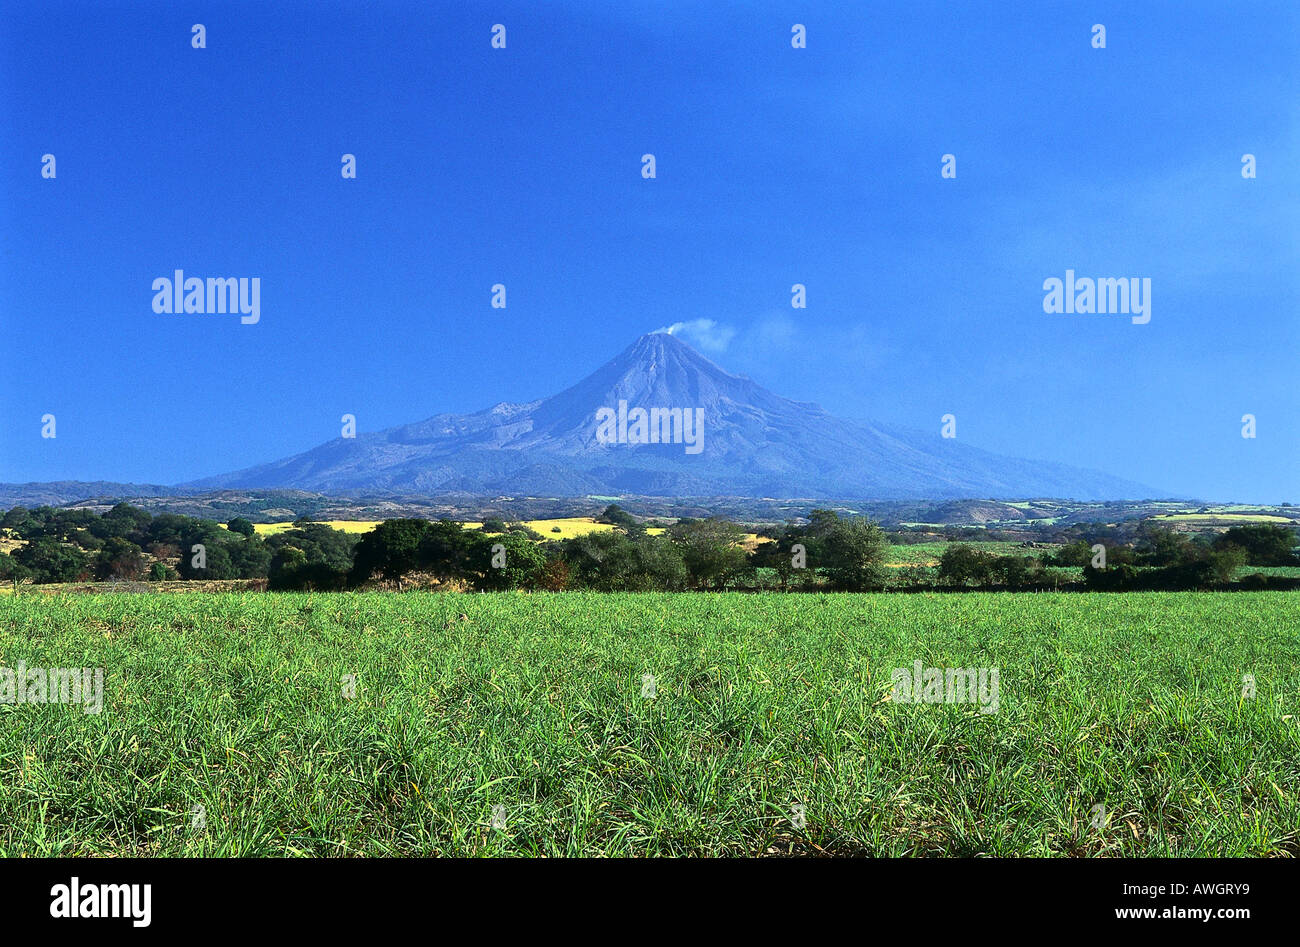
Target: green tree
295	569
1018	571
448	550
1161	546
217	561
1226	560
123	520
251	557
508	561
11	570
15	518
217	564
51	561
855	551
780	555
391	549
1266	544
1076	554
617	516
712	550
961	563
323	545
170	528
615	562
119	558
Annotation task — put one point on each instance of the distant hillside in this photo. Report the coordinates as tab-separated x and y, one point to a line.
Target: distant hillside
59	492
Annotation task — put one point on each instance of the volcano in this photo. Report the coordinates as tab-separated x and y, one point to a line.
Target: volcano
752	443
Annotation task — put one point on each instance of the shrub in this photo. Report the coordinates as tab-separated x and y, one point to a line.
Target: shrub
960	564
554	575
119	558
1265	544
855	550
391	549
51	561
711	550
522	561
615	562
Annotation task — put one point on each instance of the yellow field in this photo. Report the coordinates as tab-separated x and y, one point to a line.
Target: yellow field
343	526
566	527
569	526
563	527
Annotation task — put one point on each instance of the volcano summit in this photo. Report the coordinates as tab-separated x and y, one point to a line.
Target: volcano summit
758	444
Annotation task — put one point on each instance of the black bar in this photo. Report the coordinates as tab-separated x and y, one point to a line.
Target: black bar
636	898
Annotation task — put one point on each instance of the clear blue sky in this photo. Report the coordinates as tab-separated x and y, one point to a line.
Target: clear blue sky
775	166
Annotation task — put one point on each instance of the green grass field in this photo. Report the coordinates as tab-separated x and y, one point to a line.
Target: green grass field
534	703
928	554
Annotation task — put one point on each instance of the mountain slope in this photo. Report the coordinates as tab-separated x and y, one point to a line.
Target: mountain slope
754	443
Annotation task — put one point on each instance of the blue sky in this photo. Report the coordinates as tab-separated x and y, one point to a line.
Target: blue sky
775	166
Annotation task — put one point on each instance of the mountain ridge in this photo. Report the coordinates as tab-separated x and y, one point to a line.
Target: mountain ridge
755	443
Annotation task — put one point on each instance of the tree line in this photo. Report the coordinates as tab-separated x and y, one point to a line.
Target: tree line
828	552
